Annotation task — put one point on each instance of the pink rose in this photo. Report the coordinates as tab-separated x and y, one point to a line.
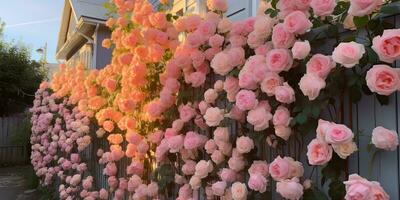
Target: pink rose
290	189
387	46
175	143
237	114
263	49
228	175
283	132
244	144
186	112
236	163
323	7
259	118
210	146
311	85
383	79
203	168
236	56
185	192
194	140
300	50
189	167
239	191
246	100
384	138
197	78
320	65
195	182
218	188
378	192
318	152
358	188
322	128
219	85
361	7
348	54
216	40
221	63
282	38
259	167
338	134
210	96
271	80
281	116
279	169
257	183
217	5
221	134
279	60
297	22
224	25
284	94
345	149
213	116
217	157
231	86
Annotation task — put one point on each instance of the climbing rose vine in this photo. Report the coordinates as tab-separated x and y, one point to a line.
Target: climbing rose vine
202	106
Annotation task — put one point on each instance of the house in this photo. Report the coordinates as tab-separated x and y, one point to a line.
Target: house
81	33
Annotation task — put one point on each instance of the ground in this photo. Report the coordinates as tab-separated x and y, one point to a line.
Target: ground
15	184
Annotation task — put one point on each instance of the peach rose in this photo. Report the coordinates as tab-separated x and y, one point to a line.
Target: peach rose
283	132
344	150
300	50
338	134
358	188
385	139
323	7
284	94
362	7
217	5
348	54
246	100
195	182
259	167
203	168
297	22
311	85
278	60
290	189
239	191
387	46
383	79
259	118
318	152
244	144
217	157
224	25
221	63
221	134
213	116
210	96
271	80
320	65
282	38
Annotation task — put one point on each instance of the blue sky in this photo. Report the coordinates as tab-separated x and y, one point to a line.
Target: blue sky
33	23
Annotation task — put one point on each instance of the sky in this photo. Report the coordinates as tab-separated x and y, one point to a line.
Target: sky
33	23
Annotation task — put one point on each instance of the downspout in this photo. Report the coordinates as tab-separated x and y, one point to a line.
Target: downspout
94	59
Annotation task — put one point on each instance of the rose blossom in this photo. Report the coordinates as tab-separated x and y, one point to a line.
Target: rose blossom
271	80
387	46
384	138
300	50
194	140
217	157
279	169
175	143
236	163
383	79
244	144
378	192
338	134
281	116
278	60
297	22
283	132
323	7
344	150
203	168
217	5
189	167
358	188
290	189
348	54
259	118
218	188
221	134
311	85
282	38
258	183
320	65
246	100
284	94
239	191
210	96
361	7
210	146
318	152
259	167
220	63
213	116
186	112
195	182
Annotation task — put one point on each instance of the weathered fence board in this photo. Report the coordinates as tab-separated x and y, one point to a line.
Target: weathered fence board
10	153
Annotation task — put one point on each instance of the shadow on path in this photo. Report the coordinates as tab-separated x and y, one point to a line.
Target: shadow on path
14	184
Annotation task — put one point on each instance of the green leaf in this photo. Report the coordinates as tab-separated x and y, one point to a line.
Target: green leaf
383	100
314	194
372	56
337	190
355	94
360	21
391	9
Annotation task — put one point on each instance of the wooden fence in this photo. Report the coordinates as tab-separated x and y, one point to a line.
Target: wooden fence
11	154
